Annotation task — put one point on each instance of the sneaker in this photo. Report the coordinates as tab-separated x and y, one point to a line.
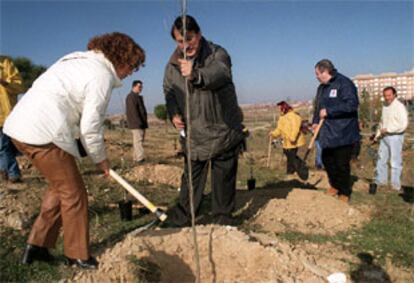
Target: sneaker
396	188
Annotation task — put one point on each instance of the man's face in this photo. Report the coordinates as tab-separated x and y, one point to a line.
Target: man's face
322	76
389	96
192	43
137	88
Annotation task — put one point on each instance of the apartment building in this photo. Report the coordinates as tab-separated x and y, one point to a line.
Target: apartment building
374	84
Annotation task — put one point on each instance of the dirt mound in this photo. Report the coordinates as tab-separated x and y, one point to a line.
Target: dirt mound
226	255
308	211
14	212
157	174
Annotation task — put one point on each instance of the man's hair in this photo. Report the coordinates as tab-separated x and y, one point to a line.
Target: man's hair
326	65
134	83
394	91
190	25
118	48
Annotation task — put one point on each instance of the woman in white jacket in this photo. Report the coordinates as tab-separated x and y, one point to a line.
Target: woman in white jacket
66	103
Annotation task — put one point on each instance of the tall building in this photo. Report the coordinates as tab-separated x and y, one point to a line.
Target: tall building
374	84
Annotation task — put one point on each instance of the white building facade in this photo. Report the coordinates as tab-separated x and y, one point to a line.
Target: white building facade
374	84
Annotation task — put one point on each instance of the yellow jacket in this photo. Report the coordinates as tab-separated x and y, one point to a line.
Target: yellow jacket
288	127
10	87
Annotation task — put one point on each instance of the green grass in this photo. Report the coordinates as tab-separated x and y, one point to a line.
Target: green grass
390	233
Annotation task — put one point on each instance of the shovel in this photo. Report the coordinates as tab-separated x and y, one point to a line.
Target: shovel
315	135
158	212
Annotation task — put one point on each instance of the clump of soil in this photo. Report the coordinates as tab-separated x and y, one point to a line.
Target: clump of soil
157	174
309	211
15	211
226	255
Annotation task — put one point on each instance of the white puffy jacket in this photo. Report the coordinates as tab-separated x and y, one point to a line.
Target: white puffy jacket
66	102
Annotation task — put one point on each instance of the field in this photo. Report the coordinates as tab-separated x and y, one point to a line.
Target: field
287	230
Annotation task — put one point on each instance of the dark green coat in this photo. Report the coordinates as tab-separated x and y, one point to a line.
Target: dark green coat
216	118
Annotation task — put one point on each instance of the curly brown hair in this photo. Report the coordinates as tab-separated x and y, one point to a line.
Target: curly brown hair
119	48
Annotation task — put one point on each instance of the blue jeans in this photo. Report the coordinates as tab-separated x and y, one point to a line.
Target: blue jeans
318	155
8	152
390	149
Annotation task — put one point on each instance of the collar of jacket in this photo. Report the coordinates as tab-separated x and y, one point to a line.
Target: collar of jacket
137	94
99	56
205	51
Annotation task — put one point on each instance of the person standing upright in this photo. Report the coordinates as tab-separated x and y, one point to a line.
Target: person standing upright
338	106
289	128
216	120
137	120
10	87
394	122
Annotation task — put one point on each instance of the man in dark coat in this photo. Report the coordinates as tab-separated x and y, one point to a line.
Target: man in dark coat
136	115
338	105
215	117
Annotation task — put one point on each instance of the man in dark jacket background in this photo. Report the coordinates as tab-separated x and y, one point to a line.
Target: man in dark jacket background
136	115
216	120
338	105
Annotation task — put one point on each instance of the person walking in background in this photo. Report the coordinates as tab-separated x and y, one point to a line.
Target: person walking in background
289	128
10	87
137	120
318	148
216	120
338	106
318	155
394	122
65	103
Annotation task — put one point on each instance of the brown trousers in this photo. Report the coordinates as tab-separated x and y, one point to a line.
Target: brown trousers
65	201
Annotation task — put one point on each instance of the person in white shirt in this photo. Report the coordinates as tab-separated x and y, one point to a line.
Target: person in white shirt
394	121
65	104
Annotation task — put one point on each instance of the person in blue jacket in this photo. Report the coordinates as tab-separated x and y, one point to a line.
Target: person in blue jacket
338	106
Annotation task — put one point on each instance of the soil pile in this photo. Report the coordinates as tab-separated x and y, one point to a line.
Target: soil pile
157	174
308	211
226	255
15	211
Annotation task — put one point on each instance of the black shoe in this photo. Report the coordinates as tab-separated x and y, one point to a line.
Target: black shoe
224	220
90	263
32	253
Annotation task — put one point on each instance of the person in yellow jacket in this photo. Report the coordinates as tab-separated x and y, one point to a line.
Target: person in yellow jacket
289	128
10	87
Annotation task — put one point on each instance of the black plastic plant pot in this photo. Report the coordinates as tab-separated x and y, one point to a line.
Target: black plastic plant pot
251	184
409	195
372	189
125	209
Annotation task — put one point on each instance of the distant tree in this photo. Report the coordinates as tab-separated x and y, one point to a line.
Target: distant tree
29	71
365	107
160	111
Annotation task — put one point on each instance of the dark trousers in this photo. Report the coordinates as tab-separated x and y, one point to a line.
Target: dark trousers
291	155
223	182
337	164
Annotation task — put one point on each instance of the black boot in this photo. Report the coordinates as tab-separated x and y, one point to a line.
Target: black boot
32	253
90	263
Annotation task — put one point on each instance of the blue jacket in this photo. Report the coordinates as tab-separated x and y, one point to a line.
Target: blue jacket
340	99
